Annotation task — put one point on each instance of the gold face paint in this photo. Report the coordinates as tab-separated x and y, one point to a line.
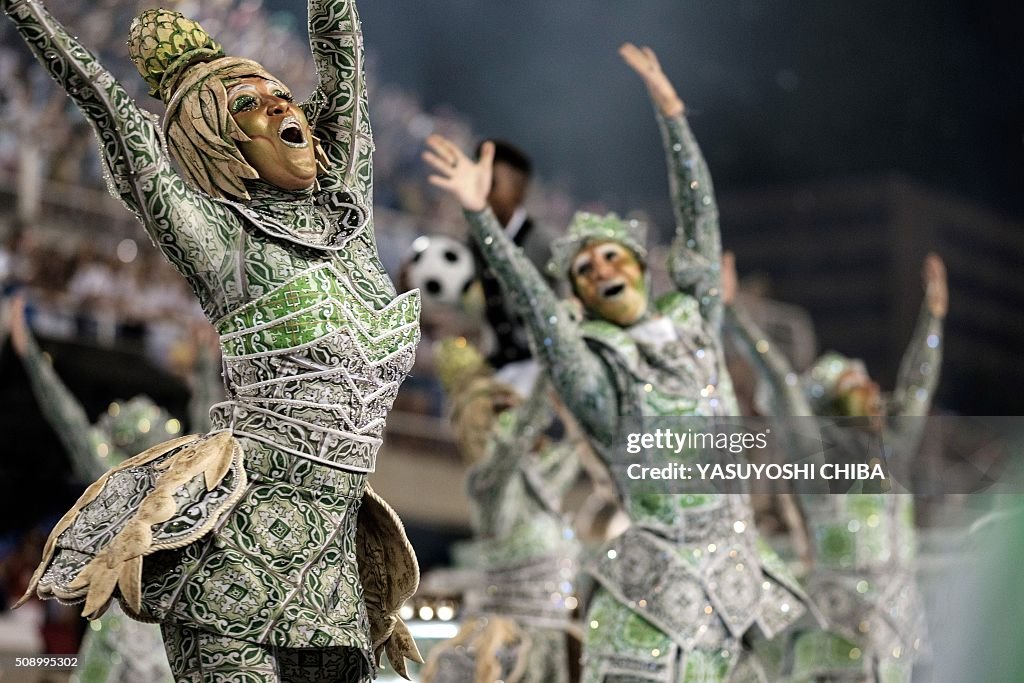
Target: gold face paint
609	280
858	395
280	145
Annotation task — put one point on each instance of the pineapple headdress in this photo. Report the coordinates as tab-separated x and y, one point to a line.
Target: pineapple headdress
186	69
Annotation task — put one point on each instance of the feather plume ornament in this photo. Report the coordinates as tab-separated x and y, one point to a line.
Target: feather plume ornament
390	574
485	637
118	565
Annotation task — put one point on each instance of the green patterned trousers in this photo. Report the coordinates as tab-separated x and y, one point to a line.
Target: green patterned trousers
202	657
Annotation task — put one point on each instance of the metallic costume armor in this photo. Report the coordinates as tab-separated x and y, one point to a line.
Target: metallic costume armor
680	588
862	544
267	557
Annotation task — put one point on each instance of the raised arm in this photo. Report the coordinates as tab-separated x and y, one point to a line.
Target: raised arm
186	225
62	410
338	109
512	437
697	247
919	369
788	399
581	378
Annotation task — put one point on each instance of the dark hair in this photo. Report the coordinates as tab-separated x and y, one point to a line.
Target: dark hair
507	153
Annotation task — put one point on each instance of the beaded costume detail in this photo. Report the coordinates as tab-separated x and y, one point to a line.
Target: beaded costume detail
863	544
684	584
266	533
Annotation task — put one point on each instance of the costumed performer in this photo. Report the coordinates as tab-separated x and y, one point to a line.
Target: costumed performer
862	545
525	546
259	547
682	587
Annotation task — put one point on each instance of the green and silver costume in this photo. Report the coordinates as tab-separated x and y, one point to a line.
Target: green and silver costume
126	428
117	649
267	557
682	586
862	544
525	548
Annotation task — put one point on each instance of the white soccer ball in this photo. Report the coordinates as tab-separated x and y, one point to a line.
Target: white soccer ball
441	268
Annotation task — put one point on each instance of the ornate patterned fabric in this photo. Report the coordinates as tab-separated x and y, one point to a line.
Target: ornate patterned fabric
315	344
863	544
199	656
691	571
668	364
117	649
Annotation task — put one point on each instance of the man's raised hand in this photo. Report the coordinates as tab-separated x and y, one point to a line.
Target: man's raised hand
467	180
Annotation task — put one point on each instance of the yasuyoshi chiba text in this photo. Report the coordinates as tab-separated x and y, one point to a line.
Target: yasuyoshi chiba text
745	471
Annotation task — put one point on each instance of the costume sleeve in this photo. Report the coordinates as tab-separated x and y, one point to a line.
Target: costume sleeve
63	411
338	108
907	412
185	224
787	396
919	369
511	439
513	436
580	377
696	252
563	468
801	439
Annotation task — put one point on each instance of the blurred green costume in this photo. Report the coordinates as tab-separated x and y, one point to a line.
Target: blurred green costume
680	589
523	545
116	649
862	544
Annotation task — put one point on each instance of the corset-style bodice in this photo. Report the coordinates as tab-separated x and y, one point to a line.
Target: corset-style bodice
670	367
857	533
312	368
681	364
691	561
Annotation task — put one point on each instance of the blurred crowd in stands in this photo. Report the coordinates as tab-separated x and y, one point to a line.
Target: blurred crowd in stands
130	296
102	282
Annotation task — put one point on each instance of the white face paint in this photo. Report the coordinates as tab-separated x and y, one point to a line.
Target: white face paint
609	280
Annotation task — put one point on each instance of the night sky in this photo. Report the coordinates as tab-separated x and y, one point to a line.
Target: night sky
778	91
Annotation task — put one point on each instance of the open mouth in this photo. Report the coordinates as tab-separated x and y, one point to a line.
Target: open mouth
291	134
612	291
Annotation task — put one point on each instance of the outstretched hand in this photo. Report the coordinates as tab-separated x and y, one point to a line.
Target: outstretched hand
467	180
936	290
730	283
645	63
